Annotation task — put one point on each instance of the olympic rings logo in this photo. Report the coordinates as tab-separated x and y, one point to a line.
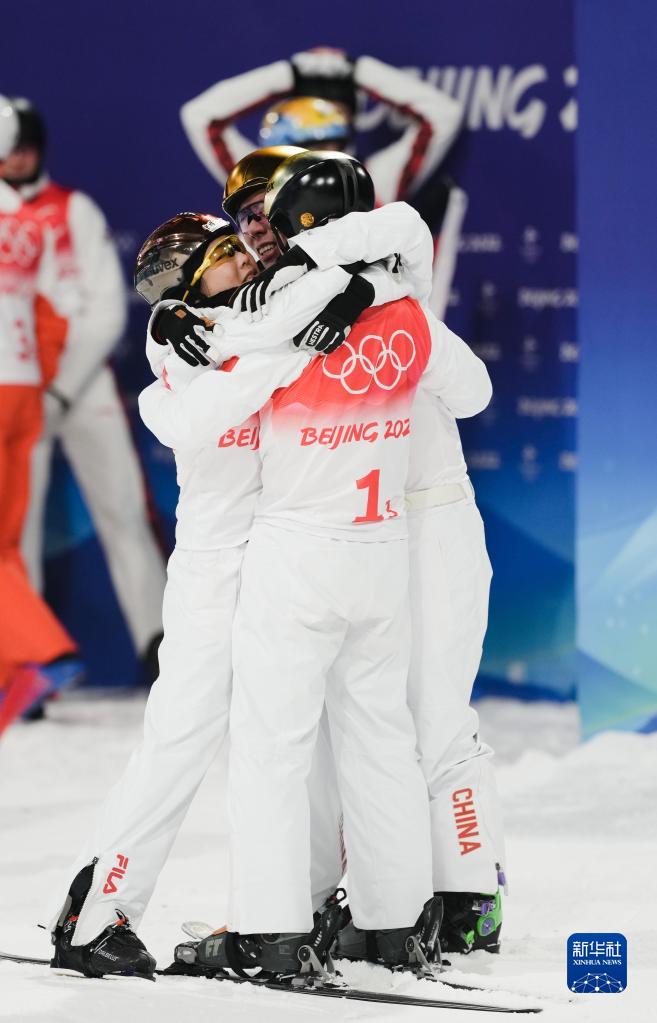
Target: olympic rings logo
20	243
383	362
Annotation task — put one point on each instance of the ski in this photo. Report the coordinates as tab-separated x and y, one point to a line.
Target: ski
382	997
329	991
309	985
441	977
33	960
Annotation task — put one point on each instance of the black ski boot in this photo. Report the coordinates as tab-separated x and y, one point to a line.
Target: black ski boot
277	956
471	921
116	950
415	948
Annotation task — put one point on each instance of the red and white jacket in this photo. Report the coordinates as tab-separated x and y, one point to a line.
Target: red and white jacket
88	289
26	268
209	121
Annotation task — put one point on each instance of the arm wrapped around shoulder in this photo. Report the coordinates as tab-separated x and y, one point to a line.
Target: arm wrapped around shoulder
252	298
331	327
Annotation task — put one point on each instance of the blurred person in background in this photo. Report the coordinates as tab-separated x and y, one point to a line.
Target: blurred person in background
36	652
316	91
317	100
82	405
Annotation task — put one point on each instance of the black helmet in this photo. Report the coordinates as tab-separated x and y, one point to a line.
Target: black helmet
168	259
313	187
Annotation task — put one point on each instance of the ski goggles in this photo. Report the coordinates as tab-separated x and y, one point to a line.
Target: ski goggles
224	248
256	211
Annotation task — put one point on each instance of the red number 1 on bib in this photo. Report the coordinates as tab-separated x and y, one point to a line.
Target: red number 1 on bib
370	483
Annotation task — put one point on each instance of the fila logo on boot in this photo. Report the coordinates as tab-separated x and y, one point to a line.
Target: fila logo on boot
115	874
465	818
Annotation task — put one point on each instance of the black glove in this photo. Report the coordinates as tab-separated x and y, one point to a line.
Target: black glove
175	325
326	73
332	326
253	297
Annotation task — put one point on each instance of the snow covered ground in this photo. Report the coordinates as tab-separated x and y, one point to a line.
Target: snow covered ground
582	846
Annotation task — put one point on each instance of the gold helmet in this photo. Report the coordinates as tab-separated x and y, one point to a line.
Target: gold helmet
252	173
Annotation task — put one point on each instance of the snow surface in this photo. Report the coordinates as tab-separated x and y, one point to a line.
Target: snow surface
581	854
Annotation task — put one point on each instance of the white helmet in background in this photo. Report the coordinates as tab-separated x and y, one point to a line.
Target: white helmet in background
9	127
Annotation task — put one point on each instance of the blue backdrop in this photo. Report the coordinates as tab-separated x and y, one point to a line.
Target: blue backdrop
111	81
617	485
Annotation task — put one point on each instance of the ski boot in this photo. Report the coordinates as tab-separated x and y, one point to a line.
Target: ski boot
25	689
64	672
279	957
471	922
32	684
116	950
416	948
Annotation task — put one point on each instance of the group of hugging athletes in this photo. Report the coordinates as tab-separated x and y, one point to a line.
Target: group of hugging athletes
327	598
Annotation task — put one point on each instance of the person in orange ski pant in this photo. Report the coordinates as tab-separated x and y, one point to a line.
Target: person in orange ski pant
29	631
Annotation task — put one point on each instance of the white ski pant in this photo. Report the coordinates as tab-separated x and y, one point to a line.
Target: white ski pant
450	577
185	725
323	619
96	440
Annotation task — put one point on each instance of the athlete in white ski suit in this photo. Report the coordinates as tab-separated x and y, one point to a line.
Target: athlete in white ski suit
186	719
261	905
450	577
449	582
